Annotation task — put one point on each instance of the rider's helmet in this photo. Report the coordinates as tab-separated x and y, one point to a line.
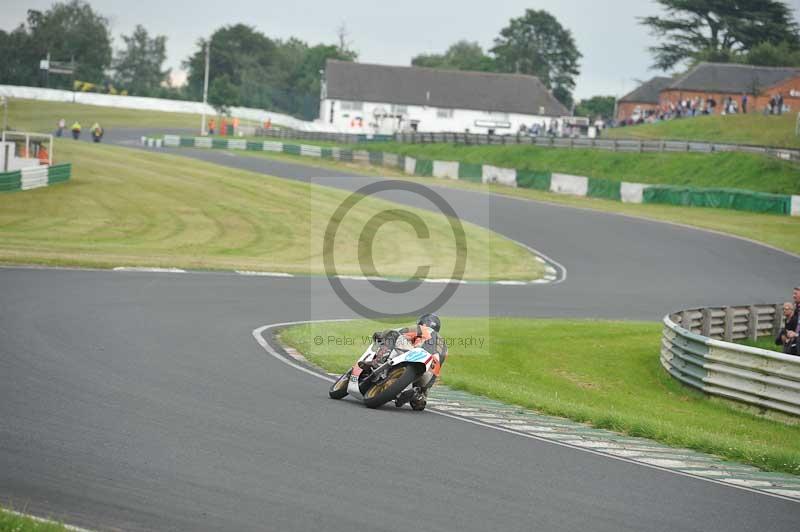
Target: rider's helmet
430	320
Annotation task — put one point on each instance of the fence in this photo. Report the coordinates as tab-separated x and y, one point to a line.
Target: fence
34	177
696	350
744	200
475	139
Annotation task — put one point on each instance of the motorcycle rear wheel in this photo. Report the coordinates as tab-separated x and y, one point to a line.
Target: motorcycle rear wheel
339	388
397	380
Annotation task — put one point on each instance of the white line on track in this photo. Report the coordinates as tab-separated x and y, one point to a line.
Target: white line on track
148	270
258	334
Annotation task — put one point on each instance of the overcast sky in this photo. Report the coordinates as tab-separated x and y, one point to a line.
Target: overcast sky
613	44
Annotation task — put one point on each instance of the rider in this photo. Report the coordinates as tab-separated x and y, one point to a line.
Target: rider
425	335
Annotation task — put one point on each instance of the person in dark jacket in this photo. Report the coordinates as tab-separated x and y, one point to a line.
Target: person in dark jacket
788	336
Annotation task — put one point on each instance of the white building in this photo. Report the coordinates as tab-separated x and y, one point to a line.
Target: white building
359	97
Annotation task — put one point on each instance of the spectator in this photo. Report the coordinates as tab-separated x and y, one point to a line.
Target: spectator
212	126
76	130
744	104
61	125
796	298
787	337
779	102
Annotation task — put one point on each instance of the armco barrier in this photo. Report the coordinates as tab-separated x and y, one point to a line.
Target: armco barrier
696	349
34	177
743	200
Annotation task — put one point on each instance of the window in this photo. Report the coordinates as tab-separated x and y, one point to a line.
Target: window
352	106
399	109
444	113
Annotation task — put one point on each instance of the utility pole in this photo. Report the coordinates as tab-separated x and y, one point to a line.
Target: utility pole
203	130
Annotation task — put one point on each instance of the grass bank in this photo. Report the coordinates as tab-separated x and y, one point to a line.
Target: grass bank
782	232
602	372
754	128
136	208
728	170
10	522
40	116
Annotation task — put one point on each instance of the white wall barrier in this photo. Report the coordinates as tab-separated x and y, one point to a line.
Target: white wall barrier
445	169
569	184
34	177
411	165
501	176
632	192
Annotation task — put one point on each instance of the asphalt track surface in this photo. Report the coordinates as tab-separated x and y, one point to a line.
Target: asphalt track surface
140	401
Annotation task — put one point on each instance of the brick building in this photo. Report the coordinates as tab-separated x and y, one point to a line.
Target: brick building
723	80
642	100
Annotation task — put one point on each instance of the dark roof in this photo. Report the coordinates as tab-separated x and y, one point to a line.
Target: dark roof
732	78
482	91
648	92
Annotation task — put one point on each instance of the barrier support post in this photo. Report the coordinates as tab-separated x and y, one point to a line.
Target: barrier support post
752	324
727	333
705	329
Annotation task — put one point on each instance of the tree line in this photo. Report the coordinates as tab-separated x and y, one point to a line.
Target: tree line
251	69
247	68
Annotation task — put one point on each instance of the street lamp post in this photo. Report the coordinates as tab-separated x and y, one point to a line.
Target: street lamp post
203	130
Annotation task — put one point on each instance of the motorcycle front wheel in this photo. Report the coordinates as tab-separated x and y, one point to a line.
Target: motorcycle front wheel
397	379
339	388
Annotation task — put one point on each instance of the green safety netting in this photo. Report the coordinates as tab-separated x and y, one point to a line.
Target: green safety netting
10	181
604	188
219	143
533	179
327	153
470	172
719	198
292	149
58	173
376	157
187	142
424	168
255	146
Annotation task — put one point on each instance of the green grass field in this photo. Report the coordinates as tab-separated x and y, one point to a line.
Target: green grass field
42	117
601	372
729	170
14	523
134	208
754	129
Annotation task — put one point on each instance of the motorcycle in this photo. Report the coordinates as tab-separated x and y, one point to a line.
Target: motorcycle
391	369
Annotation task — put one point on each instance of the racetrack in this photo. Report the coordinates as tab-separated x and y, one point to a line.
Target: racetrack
140	401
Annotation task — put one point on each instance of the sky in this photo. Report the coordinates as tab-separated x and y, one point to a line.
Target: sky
613	43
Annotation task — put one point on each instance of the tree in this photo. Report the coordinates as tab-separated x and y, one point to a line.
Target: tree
257	71
73	30
463	55
139	65
237	52
19	59
537	44
596	107
768	54
718	29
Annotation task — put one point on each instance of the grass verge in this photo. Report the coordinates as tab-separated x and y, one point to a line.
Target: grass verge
754	128
41	116
10	522
782	232
605	373
726	170
134	208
